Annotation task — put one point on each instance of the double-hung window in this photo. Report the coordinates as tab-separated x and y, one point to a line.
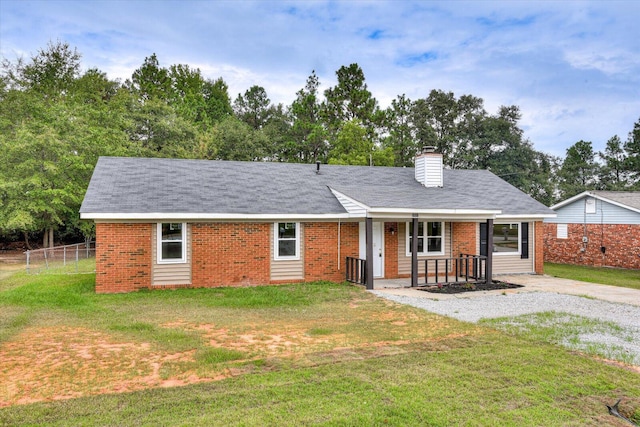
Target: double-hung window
172	242
430	238
286	242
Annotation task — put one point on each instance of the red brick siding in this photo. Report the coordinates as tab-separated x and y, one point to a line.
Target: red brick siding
230	254
391	250
123	257
622	243
538	247
321	249
464	238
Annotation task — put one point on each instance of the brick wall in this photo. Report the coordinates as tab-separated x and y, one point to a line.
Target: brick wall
321	249
230	254
538	246
464	238
391	250
123	257
621	242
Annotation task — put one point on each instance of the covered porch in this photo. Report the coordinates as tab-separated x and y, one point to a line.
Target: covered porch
457	249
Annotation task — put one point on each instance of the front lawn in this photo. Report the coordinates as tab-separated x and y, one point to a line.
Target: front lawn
319	353
604	275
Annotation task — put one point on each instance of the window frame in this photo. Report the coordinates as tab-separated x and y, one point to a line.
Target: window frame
510	224
425	239
277	239
160	241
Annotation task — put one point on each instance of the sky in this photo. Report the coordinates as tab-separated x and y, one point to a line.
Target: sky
573	67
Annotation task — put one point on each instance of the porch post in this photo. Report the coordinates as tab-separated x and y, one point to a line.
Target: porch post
369	255
489	266
414	251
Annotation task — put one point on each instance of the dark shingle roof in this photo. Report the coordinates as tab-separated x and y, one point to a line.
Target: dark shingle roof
141	185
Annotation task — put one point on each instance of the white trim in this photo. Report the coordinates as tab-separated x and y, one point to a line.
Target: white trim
525	217
276	240
178	216
159	242
425	244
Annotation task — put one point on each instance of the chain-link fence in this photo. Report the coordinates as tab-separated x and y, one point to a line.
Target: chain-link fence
78	258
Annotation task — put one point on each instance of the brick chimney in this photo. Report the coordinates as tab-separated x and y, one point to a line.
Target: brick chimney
428	167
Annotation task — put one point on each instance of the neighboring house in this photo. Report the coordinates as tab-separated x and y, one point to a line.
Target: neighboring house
598	228
198	223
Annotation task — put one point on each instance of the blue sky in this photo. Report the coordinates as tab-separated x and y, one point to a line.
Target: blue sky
572	67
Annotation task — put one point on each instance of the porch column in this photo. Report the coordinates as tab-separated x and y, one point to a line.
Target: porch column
369	256
414	251
489	266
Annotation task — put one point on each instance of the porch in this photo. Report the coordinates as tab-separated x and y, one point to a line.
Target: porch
428	250
466	268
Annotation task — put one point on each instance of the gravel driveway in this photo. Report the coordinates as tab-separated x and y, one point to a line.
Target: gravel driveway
625	341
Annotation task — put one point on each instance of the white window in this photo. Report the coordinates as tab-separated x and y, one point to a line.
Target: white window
590	205
286	242
172	246
562	232
430	238
506	238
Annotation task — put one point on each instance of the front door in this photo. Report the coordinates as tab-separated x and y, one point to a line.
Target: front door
378	247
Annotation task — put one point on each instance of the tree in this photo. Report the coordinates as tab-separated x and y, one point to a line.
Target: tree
151	81
579	170
308	137
353	147
49	73
449	124
236	140
632	162
253	107
399	131
217	101
612	172
350	100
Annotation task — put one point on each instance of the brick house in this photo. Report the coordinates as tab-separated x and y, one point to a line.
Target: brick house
596	228
167	223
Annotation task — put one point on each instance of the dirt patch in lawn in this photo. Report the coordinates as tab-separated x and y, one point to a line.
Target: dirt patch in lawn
60	363
51	363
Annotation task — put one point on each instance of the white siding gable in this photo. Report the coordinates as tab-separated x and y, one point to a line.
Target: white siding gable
353	207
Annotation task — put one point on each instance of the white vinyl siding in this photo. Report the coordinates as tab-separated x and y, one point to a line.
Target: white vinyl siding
287	269
173	273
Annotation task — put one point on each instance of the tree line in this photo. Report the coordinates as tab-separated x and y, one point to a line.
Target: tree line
56	120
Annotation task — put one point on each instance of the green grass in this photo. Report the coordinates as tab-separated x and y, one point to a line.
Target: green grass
303	354
604	275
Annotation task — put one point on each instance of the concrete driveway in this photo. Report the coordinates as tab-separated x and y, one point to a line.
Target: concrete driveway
531	283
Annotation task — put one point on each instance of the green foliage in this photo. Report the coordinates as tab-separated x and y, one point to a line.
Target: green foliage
579	170
56	120
604	275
